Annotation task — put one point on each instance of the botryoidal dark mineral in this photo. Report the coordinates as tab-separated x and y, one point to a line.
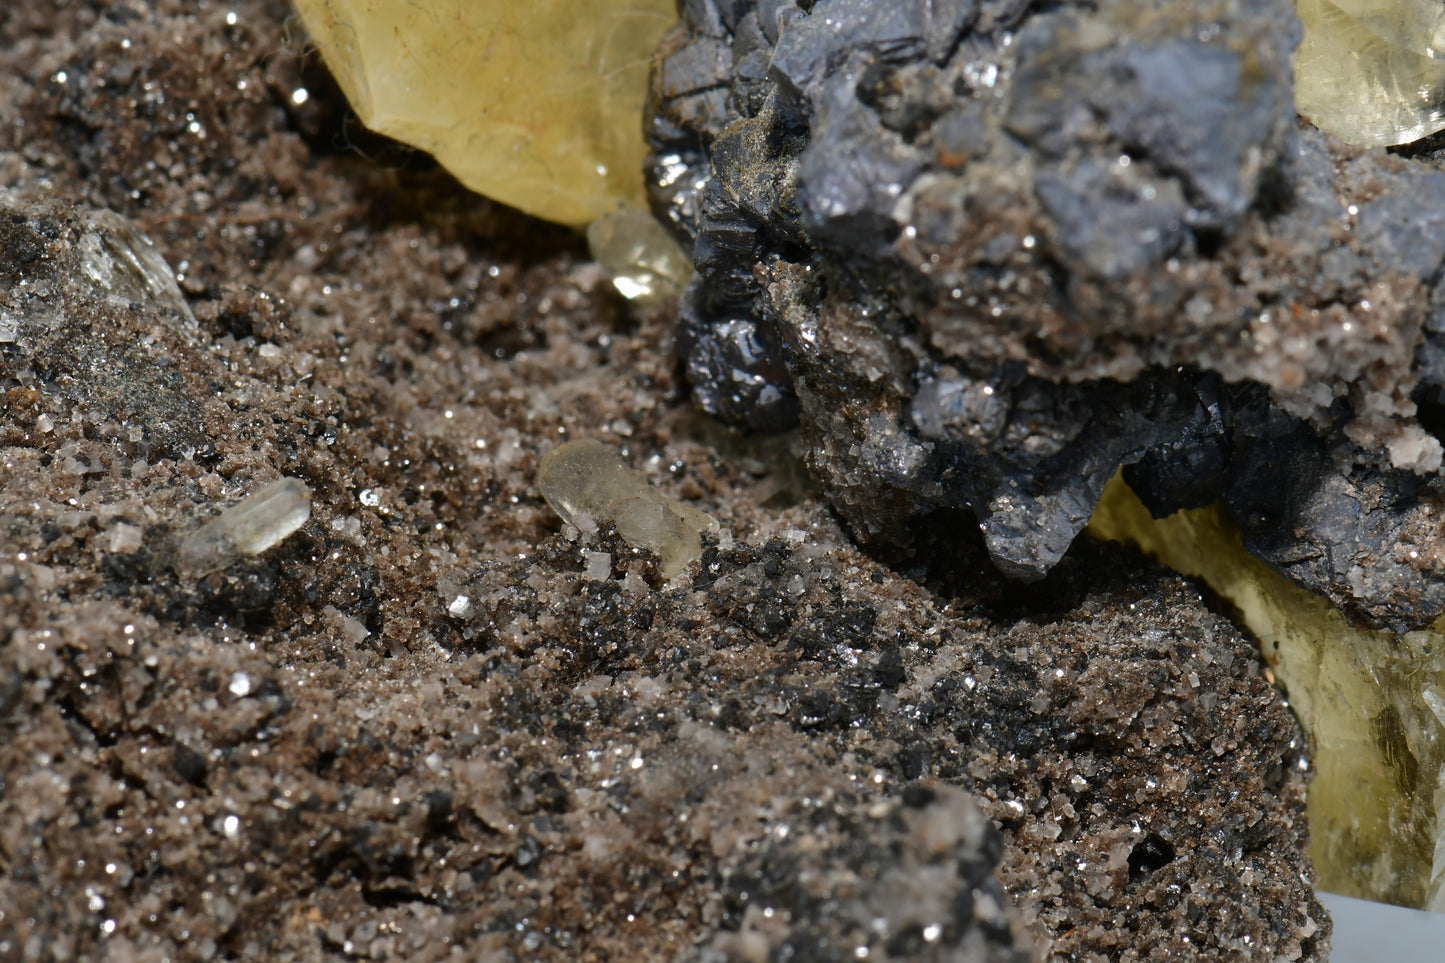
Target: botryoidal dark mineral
989	251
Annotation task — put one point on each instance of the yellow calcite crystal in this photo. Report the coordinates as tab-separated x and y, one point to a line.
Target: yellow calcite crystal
1372	72
536	104
1372	702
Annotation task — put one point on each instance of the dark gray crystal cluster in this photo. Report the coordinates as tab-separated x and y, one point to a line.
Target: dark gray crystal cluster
989	251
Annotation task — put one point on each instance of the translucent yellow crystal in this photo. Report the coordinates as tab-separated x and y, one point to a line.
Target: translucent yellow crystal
1373	704
537	104
587	484
1372	72
644	262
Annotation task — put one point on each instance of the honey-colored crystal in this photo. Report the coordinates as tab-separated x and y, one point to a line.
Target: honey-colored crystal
644	262
1371	71
534	104
1373	704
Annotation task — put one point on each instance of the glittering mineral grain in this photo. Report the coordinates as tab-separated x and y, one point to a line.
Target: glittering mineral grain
587	484
988	253
645	263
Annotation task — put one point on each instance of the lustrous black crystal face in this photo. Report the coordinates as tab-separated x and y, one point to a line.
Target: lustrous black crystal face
990	251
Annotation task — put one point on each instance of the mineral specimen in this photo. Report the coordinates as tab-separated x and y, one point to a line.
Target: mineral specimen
534	105
989	252
249	527
582	768
587	484
1372	72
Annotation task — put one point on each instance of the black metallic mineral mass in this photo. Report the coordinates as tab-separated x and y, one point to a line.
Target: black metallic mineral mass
988	251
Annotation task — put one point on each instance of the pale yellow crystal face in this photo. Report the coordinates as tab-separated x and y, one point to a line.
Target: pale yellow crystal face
537	104
644	262
1372	72
1373	704
586	483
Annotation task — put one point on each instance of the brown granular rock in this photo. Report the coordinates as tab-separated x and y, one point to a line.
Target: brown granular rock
433	724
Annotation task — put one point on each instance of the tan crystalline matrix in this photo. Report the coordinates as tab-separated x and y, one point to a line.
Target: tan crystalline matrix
537	105
1370	71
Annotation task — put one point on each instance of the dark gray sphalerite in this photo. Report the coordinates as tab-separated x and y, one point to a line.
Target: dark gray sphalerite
990	252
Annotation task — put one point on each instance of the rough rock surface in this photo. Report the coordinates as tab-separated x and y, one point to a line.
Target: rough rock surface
990	251
435	724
